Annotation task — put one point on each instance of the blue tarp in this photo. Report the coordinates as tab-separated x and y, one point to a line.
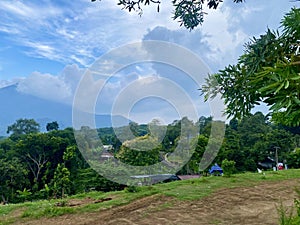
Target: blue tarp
215	168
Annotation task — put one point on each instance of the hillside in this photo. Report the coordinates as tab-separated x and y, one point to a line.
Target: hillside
16	105
248	198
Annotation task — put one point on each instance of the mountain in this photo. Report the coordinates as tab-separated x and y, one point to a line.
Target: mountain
15	105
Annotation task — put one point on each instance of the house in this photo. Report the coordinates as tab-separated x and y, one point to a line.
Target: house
106	153
267	163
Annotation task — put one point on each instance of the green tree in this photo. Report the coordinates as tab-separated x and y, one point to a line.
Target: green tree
172	133
267	72
231	149
61	180
52	126
294	158
140	151
192	167
13	177
41	152
23	126
7	146
228	167
189	13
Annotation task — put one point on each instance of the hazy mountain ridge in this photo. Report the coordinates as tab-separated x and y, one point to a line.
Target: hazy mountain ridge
16	105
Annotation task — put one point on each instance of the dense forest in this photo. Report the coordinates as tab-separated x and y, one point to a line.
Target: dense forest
36	165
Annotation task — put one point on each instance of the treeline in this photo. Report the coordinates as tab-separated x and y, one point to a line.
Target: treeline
246	142
35	165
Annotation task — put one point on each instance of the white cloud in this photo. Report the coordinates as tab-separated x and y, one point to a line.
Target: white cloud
17	8
59	87
5	83
80	31
224	43
75	32
45	86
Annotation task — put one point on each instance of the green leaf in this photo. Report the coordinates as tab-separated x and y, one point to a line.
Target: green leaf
279	88
296	100
286	85
295	78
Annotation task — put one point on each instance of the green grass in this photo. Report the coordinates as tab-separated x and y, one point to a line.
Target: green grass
181	190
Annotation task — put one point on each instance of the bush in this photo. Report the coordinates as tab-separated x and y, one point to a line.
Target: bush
228	167
132	189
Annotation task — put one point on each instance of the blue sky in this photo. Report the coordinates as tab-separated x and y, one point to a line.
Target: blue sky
47	45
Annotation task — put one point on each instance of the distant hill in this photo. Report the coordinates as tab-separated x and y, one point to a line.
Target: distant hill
15	105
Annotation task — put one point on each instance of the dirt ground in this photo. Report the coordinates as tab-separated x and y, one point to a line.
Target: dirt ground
241	206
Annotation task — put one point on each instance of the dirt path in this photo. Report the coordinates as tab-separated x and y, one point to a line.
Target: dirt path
241	206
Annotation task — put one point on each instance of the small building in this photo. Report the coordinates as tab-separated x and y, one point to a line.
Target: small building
267	163
106	153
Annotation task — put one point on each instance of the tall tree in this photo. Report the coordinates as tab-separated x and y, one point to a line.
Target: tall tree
267	72
52	126
13	177
36	150
61	180
23	126
140	151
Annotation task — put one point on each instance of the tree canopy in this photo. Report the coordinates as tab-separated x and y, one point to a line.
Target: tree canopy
268	72
23	126
189	13
43	165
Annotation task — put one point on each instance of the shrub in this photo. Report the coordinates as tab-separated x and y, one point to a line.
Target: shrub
228	167
132	189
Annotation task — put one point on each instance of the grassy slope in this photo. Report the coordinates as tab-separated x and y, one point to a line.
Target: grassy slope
182	190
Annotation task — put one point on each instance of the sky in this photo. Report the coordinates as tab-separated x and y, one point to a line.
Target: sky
47	47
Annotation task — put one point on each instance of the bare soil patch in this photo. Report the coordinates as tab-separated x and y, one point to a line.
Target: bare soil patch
243	205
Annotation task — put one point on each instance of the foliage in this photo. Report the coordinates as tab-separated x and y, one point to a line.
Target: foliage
132	189
268	72
52	126
24	194
61	180
294	158
189	13
12	178
286	215
140	151
39	161
23	126
228	167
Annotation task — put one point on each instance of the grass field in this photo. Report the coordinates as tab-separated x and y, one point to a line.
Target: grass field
193	189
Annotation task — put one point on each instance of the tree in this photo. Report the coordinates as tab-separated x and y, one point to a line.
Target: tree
228	167
141	151
267	72
192	167
189	13
32	149
61	180
36	150
52	126
13	177
23	126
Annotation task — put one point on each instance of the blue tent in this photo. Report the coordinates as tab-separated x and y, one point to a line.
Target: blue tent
215	169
